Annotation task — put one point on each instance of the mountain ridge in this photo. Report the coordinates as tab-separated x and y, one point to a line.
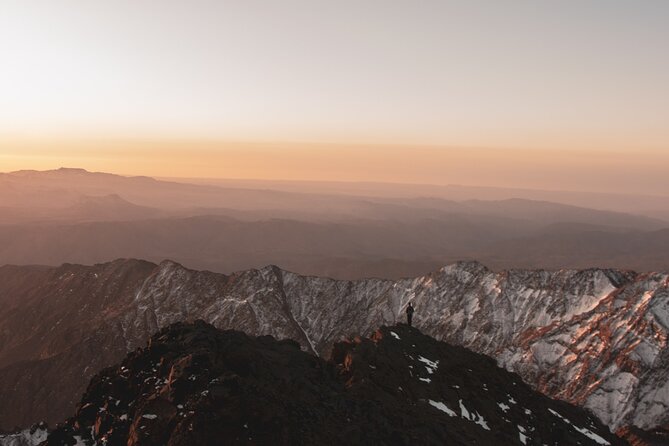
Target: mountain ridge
67	215
532	322
194	385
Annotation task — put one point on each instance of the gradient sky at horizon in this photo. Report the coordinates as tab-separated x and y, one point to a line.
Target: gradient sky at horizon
527	79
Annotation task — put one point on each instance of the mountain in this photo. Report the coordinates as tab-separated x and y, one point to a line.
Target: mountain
196	385
64	188
76	216
649	205
107	208
348	250
596	338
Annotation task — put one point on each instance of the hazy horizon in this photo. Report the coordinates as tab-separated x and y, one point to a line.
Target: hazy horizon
557	170
294	184
344	230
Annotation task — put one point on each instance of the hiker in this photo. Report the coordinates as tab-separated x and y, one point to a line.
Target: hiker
410	311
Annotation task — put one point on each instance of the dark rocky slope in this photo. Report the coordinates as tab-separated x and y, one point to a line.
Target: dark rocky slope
197	385
639	437
58	328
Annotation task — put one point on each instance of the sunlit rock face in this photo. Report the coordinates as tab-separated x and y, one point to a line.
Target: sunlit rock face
596	338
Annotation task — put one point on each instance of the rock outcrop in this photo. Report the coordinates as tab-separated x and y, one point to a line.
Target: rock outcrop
197	385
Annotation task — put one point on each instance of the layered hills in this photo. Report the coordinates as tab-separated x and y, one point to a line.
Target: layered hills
346	231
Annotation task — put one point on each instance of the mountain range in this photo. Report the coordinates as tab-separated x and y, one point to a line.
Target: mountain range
346	231
595	338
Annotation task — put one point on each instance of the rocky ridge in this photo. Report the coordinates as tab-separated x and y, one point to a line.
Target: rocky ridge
596	338
197	385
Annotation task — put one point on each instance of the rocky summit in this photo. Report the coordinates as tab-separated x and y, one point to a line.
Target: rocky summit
197	385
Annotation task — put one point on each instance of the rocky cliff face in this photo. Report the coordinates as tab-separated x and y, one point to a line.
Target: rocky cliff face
596	338
32	436
196	385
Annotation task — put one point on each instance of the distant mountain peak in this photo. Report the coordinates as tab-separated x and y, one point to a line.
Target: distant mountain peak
77	170
58	171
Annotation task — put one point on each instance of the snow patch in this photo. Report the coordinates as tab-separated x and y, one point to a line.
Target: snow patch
521	434
504	407
588	433
441	406
473	416
431	366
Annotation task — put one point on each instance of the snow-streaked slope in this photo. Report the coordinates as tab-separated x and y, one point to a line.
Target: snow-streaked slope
597	338
593	337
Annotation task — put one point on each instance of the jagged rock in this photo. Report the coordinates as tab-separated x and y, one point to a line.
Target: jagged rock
595	338
36	434
197	385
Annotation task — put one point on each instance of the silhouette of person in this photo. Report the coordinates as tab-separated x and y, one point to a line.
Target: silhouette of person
410	311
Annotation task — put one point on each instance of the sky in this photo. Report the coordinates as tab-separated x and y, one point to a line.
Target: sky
348	90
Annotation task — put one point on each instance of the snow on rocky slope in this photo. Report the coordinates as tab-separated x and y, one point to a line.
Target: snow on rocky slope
27	437
596	338
197	385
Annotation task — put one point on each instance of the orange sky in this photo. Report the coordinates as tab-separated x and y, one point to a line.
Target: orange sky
594	170
567	95
567	74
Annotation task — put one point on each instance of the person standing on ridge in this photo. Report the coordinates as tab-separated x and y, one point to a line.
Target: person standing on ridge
410	311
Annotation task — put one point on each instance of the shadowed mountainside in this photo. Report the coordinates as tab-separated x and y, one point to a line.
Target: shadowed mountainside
196	385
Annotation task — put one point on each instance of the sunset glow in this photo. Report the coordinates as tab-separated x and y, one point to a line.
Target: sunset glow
593	170
490	93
